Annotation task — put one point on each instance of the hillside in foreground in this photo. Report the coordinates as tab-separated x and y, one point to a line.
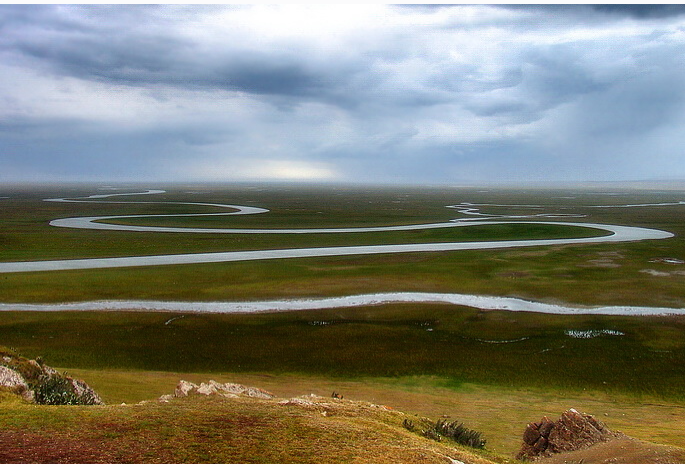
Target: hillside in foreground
49	417
228	422
252	426
215	429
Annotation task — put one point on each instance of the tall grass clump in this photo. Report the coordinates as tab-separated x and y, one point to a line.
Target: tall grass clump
458	432
455	431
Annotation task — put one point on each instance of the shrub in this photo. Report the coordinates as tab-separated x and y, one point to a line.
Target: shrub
432	434
55	389
455	431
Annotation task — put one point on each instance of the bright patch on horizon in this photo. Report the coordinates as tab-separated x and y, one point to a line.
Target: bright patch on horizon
277	169
272	170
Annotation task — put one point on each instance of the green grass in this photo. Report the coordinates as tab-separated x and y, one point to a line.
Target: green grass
112	244
567	274
388	341
584	274
26	235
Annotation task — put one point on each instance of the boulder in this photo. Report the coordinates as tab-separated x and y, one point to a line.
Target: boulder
227	390
572	431
184	388
254	392
297	402
532	433
15	383
84	391
206	389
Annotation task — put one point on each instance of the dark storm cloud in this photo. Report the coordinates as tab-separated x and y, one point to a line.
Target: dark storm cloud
138	46
638	11
643	10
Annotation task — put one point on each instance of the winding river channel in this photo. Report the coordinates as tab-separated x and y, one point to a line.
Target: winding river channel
614	233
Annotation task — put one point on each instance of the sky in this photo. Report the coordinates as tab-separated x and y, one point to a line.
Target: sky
461	94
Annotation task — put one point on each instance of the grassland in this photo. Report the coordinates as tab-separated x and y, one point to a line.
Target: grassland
214	430
501	413
597	274
460	344
388	355
476	366
26	235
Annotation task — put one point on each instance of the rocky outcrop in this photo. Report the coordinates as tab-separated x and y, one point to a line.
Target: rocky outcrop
13	382
572	431
227	390
38	383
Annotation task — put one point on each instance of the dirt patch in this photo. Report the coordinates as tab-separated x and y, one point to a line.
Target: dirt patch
603	259
33	448
332	268
532	253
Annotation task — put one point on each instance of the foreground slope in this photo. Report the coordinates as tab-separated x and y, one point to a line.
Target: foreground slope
219	430
241	429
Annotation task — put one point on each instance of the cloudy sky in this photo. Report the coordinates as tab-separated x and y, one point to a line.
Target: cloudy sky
362	93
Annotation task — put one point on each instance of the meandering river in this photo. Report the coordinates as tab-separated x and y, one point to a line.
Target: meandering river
616	233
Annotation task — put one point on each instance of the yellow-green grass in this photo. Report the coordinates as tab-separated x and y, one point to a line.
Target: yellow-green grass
501	413
219	430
